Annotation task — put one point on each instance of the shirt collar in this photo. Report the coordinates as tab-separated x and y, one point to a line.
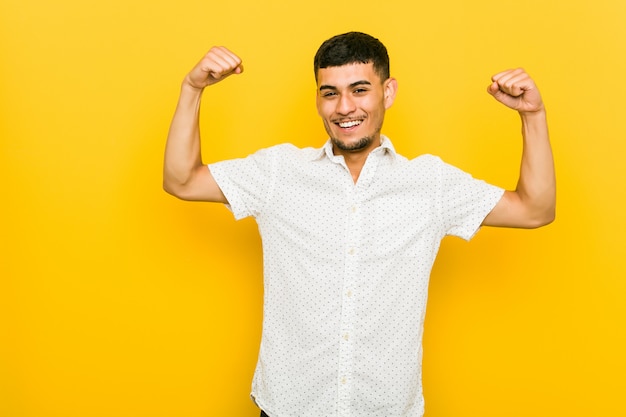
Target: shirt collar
386	147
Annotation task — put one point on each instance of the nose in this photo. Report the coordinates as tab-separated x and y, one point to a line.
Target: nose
345	105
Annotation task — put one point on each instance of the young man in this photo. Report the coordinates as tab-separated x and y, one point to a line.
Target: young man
350	230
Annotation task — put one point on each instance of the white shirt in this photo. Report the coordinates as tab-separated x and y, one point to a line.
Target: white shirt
346	270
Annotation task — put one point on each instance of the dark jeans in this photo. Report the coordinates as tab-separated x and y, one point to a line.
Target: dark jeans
263	414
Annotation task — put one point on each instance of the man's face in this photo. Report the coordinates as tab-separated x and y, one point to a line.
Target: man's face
351	100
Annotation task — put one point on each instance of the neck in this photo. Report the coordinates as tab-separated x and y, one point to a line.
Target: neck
355	164
355	160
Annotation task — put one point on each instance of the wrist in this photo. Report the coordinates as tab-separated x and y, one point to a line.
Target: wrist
189	86
539	114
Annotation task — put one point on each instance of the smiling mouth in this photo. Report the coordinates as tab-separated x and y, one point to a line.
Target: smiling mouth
349	123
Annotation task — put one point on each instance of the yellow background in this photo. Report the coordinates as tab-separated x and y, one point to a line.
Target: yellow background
119	300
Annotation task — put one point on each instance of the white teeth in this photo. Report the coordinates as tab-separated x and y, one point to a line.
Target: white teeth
350	124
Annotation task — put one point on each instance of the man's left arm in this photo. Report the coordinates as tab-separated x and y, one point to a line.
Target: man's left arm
532	203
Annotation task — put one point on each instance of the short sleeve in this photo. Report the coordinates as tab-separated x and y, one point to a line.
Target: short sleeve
246	182
465	201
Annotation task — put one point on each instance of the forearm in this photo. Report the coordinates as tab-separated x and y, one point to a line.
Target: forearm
182	150
536	187
532	204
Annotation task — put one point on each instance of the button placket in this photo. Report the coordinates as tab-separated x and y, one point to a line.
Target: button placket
346	347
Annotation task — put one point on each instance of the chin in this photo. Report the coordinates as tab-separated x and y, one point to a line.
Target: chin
355	145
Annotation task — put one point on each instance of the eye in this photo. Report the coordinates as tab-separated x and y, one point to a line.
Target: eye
360	91
329	94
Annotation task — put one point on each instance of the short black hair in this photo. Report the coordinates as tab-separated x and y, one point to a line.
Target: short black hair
352	48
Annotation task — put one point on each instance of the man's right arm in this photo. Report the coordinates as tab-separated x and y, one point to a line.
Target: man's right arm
184	174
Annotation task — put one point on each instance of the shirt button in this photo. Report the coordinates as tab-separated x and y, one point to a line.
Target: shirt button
352	251
353	209
346	337
349	294
343	380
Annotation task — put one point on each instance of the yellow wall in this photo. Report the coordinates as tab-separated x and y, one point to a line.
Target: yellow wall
119	300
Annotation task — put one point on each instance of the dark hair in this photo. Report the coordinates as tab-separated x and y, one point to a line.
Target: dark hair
351	48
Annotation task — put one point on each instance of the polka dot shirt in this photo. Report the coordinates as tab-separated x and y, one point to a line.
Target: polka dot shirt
346	270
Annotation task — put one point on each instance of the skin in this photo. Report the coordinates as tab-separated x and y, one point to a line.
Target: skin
533	202
352	100
356	95
184	174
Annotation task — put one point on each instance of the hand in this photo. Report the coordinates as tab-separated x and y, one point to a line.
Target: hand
216	65
515	89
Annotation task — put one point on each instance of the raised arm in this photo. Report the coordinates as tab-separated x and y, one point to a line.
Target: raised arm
532	203
184	174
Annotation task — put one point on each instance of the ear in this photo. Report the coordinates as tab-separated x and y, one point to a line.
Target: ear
390	88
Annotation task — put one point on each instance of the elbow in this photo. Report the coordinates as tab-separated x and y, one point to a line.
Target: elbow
174	187
549	212
186	191
197	185
543	218
541	222
549	217
540	211
177	190
169	188
178	182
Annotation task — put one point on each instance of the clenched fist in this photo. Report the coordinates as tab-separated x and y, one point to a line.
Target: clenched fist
216	65
515	89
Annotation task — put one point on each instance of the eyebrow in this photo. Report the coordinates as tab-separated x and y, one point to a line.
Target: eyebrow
354	84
